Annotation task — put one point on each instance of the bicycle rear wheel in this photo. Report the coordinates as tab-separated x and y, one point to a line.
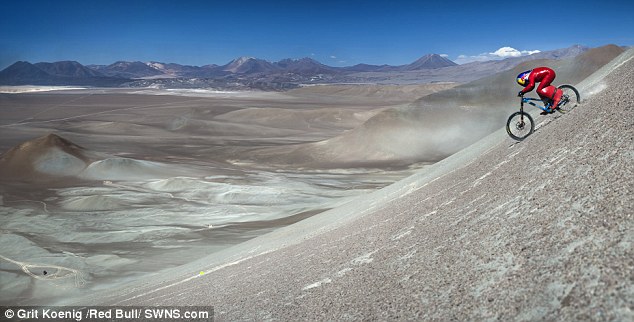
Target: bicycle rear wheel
569	100
520	125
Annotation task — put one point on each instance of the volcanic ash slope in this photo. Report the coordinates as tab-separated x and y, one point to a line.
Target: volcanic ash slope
537	230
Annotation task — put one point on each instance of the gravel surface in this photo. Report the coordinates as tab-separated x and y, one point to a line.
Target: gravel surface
537	230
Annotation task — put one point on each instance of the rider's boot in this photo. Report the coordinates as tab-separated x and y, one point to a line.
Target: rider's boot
557	98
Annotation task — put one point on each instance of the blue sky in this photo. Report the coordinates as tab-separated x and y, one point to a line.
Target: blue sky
337	33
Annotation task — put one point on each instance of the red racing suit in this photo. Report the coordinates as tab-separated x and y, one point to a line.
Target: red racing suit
544	76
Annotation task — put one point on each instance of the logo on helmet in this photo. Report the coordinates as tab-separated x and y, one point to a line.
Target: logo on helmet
522	78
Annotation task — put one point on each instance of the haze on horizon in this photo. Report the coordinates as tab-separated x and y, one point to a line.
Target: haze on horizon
332	32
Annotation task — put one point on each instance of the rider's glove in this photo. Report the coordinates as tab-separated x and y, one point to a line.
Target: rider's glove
520	94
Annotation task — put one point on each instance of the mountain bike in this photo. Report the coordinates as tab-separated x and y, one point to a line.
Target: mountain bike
520	124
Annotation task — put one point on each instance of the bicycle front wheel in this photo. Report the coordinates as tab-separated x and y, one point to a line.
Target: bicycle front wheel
570	98
520	125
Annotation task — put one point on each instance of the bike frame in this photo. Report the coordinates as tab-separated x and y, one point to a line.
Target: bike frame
531	100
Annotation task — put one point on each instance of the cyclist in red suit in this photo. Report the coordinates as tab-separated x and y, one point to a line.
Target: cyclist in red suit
544	76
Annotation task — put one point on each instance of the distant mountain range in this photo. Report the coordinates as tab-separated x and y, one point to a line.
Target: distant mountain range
250	72
58	73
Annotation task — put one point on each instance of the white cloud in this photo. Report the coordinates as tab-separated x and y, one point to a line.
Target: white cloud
501	53
444	55
505	52
530	52
333	57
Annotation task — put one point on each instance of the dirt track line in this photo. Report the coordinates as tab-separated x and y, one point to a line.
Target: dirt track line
57	275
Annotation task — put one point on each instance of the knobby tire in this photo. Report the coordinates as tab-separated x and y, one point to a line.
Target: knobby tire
572	101
520	125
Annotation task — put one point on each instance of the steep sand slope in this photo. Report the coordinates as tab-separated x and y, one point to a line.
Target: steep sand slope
436	125
541	229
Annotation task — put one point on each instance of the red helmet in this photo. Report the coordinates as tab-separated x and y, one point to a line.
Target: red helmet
522	78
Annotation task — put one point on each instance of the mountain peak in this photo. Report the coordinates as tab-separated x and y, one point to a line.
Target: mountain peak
243	59
248	65
68	69
24	73
128	69
47	155
304	65
430	61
